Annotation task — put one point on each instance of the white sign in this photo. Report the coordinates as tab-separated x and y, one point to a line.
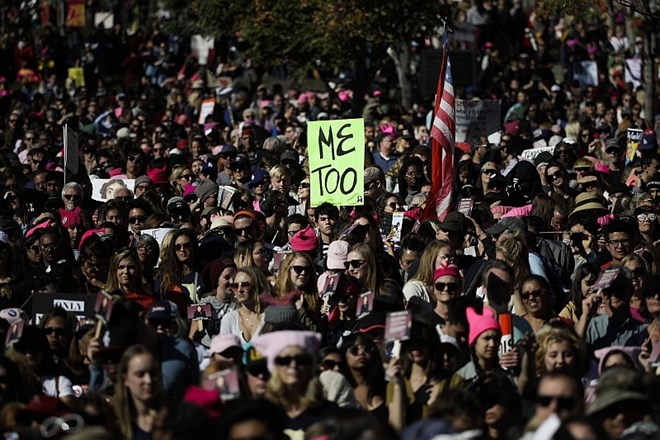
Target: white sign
201	45
104	189
104	19
206	109
633	72
586	72
533	152
157	233
477	118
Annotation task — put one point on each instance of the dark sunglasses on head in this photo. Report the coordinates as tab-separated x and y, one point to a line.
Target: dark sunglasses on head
451	287
300	269
58	331
354	263
300	359
563	403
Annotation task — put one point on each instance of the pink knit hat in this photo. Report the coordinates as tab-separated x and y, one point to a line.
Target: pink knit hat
481	323
447	270
305	240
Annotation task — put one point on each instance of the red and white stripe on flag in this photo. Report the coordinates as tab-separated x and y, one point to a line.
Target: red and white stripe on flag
442	133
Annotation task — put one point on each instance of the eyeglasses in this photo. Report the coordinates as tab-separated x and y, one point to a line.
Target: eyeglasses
157	150
49	246
299	270
240	231
393	205
638	272
57	330
303	185
646	217
355	350
300	359
557	175
451	287
619	243
563	403
137	219
73	197
414	174
354	263
329	364
535	293
242	285
182	246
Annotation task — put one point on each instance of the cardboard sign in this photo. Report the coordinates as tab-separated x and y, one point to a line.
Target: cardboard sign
365	304
477	118
104	189
397	325
199	311
206	109
226	382
336	161
634	136
605	279
80	305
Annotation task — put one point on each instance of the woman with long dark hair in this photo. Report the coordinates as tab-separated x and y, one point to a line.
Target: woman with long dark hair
179	266
411	178
583	279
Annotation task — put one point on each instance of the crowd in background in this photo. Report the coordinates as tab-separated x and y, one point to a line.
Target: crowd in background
534	303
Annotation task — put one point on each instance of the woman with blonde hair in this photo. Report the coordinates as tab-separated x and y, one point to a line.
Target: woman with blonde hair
297	274
293	384
559	348
421	285
181	176
280	179
125	276
361	263
247	320
139	393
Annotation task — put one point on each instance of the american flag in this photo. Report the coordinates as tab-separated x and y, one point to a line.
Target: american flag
442	146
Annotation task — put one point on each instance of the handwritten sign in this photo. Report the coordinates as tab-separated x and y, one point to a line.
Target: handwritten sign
477	118
79	305
531	153
336	161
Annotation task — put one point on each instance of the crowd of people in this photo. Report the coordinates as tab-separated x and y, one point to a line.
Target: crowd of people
227	306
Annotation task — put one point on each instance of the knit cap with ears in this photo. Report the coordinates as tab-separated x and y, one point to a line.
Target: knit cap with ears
481	323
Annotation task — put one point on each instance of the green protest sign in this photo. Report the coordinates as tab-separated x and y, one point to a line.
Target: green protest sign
336	161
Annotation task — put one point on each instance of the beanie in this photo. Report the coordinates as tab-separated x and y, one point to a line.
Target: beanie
142	179
337	253
305	240
447	270
205	189
280	314
481	323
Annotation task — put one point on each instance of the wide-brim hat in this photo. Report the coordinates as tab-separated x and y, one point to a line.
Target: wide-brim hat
609	397
587	201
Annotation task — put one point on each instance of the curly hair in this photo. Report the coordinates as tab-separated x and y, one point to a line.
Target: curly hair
548	334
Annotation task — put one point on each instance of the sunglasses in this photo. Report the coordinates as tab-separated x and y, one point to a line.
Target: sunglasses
178	215
135	159
535	293
393	205
489	172
638	272
556	175
329	364
301	359
563	403
583	169
182	246
451	287
258	370
354	263
49	246
564	152
242	285
240	231
355	350
28	138
646	217
137	219
304	185
157	150
58	331
71	196
299	270
34	248
187	176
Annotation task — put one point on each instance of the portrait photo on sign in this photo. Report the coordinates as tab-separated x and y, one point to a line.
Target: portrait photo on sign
199	311
226	382
106	189
103	306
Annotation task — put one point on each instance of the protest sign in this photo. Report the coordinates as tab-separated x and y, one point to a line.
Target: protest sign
104	189
75	13
80	305
633	72
106	20
586	72
336	161
77	74
72	156
201	46
206	109
477	118
634	136
397	325
531	153
157	233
